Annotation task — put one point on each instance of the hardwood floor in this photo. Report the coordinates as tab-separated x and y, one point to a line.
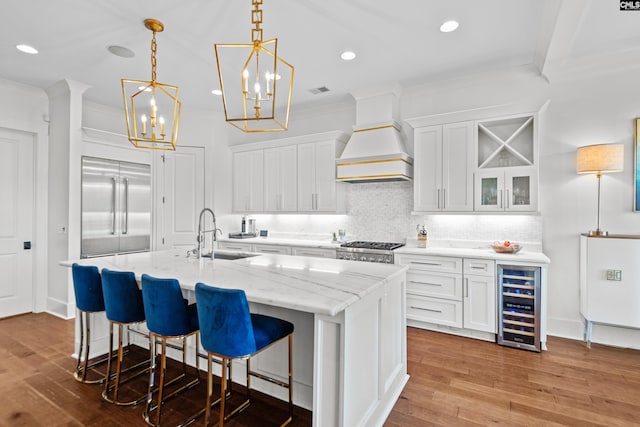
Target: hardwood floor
458	381
454	382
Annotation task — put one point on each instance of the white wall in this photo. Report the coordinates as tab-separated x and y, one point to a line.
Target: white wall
596	108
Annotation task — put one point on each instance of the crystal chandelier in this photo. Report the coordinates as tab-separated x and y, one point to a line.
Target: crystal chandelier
256	83
145	102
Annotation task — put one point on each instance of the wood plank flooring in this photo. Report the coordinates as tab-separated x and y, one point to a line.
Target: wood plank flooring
462	382
454	382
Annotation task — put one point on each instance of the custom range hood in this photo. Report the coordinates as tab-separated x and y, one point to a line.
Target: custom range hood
375	152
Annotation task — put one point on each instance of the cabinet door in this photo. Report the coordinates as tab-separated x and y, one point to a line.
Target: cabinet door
457	167
234	246
489	190
181	195
280	179
306	177
521	189
314	252
271	249
247	181
317	177
480	303
427	183
325	170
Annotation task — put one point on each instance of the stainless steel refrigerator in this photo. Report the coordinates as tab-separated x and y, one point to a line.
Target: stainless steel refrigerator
116	207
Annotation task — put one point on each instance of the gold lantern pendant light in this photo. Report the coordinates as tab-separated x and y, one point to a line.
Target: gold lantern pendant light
256	83
147	103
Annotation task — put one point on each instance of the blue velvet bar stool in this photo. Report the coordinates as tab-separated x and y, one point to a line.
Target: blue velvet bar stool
87	286
169	316
124	307
229	331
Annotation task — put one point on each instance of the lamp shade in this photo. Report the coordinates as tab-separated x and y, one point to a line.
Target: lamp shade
600	158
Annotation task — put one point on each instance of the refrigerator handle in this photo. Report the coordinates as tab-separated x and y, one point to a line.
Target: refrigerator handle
125	228
113	205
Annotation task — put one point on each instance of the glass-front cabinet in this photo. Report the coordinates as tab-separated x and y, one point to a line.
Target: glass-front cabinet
511	190
506	178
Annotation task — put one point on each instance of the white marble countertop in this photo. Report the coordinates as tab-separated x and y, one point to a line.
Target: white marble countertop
467	249
478	252
314	285
322	244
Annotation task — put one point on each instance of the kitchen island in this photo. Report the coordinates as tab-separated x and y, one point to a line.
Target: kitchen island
350	335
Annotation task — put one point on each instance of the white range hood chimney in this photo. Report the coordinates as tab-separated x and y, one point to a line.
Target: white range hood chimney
375	151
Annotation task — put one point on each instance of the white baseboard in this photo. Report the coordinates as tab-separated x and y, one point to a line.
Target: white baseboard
61	309
614	336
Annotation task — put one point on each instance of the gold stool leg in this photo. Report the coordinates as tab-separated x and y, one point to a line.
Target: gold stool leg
152	377
290	379
223	389
163	367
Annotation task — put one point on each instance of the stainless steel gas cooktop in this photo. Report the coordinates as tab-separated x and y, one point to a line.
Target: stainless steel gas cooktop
367	251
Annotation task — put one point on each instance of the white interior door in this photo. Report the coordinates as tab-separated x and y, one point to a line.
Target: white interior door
181	197
16	222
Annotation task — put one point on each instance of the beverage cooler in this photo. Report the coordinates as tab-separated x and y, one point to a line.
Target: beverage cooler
519	306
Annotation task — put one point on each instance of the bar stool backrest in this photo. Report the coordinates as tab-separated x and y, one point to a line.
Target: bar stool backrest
87	286
225	321
165	309
122	296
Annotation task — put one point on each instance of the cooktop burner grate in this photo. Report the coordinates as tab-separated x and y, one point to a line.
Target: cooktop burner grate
383	246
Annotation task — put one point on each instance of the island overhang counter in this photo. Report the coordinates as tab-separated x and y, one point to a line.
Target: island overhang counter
349	363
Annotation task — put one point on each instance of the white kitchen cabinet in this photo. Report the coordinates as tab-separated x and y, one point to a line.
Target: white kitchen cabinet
434	289
313	252
506	179
317	186
180	196
609	282
248	175
271	249
507	189
280	179
235	246
451	294
443	168
479	299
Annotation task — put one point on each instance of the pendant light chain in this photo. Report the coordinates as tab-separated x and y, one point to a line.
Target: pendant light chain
154	48
256	19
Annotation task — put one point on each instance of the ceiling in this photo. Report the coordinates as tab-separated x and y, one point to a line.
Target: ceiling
394	41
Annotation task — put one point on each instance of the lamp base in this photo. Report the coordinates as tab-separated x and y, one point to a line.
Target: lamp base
598	233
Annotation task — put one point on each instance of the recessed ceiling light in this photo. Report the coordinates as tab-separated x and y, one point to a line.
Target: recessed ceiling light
216	92
27	49
449	26
347	55
121	51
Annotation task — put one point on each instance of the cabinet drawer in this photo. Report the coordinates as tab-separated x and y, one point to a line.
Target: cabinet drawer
441	312
479	267
439	285
272	249
431	263
314	252
233	246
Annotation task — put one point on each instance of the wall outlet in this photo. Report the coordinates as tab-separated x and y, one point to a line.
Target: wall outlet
615	275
